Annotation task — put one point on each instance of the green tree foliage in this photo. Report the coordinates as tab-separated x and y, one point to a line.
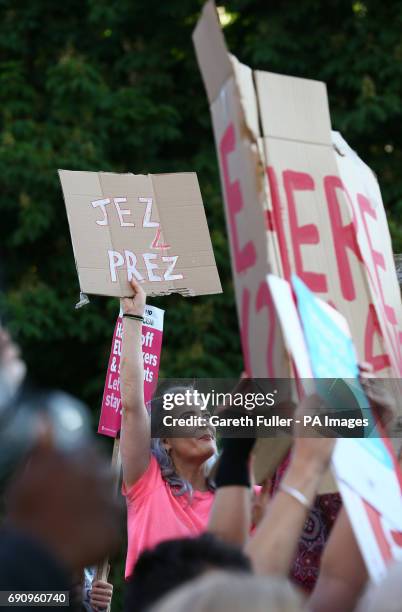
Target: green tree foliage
108	86
113	85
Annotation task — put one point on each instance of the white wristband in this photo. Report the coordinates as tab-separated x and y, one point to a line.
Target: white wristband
296	494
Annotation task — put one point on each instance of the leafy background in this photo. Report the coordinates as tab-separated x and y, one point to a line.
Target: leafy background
114	86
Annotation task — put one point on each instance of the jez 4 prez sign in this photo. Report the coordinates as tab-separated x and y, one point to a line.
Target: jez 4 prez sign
150	227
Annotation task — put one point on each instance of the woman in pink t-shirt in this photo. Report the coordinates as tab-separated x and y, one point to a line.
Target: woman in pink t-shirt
167	490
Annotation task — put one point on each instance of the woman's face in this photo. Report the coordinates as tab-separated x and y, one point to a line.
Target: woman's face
198	442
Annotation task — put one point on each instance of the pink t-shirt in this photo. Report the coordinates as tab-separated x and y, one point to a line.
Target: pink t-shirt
154	514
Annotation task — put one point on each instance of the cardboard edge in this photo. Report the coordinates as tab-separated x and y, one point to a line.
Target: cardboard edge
59	172
211	51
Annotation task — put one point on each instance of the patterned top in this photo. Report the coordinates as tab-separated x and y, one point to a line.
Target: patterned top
315	533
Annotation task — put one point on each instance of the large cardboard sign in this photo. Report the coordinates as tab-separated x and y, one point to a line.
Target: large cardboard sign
235	119
296	202
379	543
330	224
243	188
152	331
150	227
373	237
321	207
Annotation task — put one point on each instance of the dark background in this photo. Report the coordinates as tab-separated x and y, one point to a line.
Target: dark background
113	85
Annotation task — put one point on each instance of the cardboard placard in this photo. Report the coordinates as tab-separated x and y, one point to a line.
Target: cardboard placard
243	188
373	237
294	204
296	345
287	313
235	120
151	227
380	544
331	222
152	331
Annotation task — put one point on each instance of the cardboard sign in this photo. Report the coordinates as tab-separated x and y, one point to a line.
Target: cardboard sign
373	237
379	543
334	233
290	323
328	338
152	331
234	118
244	194
314	201
296	205
150	227
296	345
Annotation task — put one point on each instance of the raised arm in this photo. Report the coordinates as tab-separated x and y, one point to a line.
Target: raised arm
343	574
273	545
230	517
135	427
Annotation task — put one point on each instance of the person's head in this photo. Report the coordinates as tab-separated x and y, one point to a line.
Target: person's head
385	596
64	500
222	591
174	562
186	445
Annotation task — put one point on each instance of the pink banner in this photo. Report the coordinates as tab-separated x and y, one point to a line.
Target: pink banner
152	332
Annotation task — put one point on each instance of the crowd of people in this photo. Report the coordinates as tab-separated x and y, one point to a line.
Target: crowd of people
201	535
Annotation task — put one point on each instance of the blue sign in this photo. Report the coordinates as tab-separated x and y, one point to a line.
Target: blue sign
332	356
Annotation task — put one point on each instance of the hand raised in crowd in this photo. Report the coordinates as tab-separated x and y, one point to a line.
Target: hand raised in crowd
100	595
230	517
260	501
273	545
378	392
134	305
309	446
135	437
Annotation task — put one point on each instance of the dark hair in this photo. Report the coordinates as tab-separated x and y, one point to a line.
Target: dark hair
174	562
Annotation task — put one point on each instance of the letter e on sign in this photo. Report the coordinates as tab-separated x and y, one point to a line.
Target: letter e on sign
122	213
246	257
